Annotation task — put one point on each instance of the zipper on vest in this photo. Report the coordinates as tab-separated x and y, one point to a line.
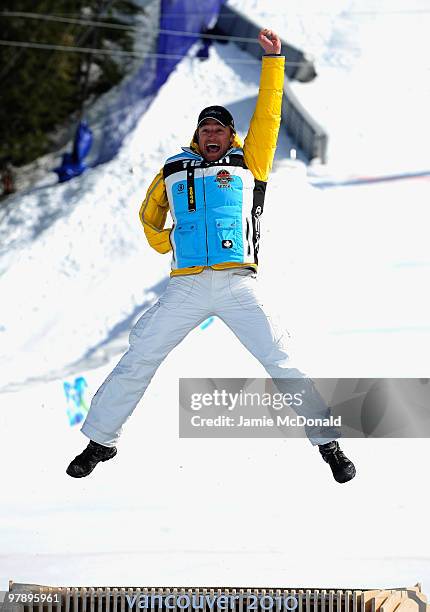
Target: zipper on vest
190	189
206	217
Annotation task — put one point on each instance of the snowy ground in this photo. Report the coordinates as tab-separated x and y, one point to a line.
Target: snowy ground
187	512
76	272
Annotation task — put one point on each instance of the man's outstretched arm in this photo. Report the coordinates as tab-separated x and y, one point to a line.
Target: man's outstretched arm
260	143
153	214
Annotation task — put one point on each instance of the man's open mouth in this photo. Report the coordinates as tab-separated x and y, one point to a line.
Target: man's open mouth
212	148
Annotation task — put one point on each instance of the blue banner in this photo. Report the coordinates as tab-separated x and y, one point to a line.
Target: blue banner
182	16
72	164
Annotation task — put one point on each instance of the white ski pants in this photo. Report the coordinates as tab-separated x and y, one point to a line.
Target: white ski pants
187	302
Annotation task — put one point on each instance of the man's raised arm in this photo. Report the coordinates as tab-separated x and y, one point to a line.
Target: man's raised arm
260	143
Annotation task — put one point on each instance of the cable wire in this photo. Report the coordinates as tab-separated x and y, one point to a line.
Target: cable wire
117	26
32	45
406	11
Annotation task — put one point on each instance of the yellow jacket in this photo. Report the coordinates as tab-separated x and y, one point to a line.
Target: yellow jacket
258	149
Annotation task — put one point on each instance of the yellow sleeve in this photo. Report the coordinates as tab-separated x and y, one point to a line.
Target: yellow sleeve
260	143
153	214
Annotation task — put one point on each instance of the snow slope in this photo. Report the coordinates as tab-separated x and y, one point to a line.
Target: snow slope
76	271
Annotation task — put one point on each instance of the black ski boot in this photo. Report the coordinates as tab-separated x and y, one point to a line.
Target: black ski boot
343	469
83	464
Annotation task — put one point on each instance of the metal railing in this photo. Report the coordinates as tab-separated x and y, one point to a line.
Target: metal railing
240	599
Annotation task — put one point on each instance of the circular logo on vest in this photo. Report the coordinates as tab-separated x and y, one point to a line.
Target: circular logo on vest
227	244
223	178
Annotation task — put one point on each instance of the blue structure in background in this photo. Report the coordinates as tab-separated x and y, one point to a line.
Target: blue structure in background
73	163
77	405
139	90
182	16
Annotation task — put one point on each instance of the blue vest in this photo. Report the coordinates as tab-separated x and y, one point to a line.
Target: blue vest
215	208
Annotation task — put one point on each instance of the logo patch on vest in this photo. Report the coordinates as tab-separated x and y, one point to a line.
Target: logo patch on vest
180	188
227	244
223	178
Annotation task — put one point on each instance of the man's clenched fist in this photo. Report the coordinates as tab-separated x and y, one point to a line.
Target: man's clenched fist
270	41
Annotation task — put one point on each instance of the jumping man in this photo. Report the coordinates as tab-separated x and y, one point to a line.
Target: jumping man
214	191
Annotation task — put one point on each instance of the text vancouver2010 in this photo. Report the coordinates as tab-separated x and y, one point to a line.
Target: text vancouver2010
213	602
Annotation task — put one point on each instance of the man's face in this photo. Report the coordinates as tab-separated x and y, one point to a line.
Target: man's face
214	139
